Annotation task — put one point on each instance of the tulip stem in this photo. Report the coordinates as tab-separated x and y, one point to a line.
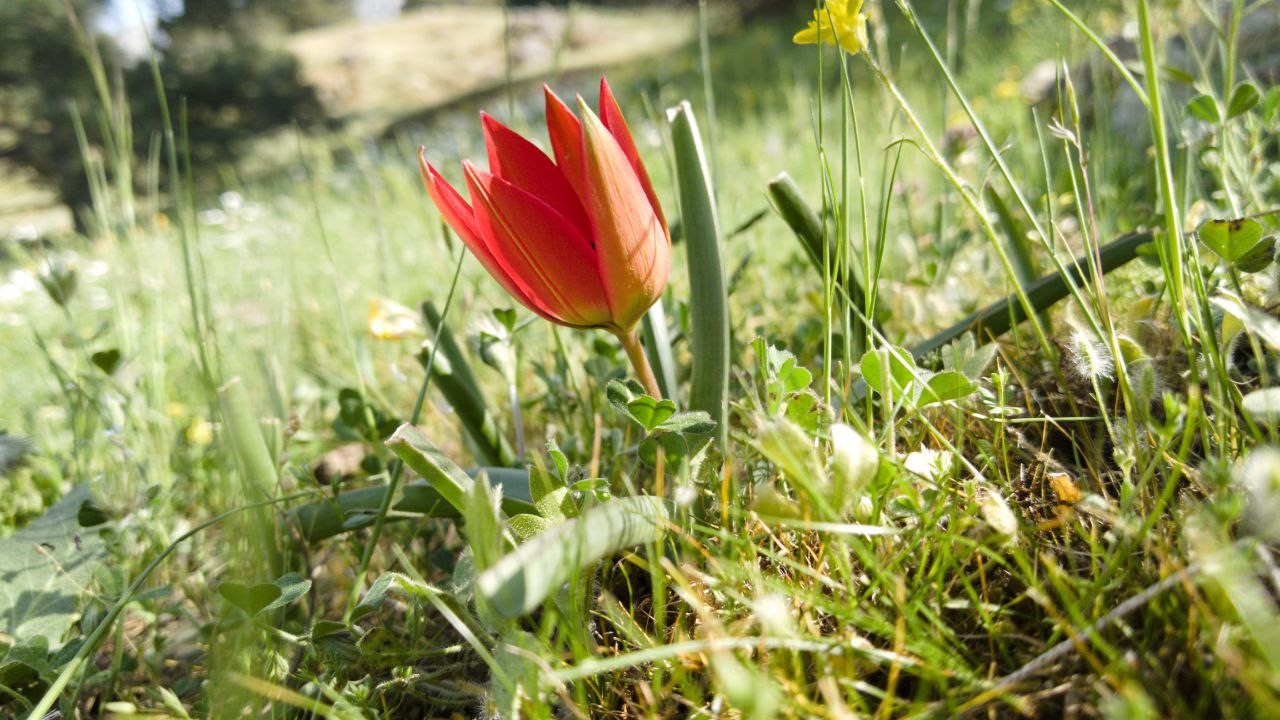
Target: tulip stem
640	361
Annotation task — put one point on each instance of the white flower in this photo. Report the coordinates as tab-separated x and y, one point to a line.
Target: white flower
997	513
854	461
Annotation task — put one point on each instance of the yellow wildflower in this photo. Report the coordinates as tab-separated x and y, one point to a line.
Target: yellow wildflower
200	432
838	22
391	321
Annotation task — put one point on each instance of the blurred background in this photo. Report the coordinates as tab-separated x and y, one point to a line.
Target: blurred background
292	201
239	72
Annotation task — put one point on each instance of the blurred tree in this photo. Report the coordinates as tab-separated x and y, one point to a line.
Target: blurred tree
42	73
234	75
290	16
220	58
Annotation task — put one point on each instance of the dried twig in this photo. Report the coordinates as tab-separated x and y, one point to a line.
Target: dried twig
1062	649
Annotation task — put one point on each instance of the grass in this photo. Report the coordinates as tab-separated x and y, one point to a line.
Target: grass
1079	521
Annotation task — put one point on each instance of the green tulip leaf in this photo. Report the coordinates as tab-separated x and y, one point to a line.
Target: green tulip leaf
709	296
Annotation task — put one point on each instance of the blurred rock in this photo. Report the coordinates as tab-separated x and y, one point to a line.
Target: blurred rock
339	464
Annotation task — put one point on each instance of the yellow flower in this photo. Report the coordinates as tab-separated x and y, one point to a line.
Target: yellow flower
391	321
200	432
838	22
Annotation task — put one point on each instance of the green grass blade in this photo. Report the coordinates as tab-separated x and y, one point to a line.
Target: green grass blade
95	638
657	345
1105	49
931	151
1013	227
519	582
709	304
1018	248
1173	250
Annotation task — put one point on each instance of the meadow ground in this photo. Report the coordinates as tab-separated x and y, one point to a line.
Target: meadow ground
1073	518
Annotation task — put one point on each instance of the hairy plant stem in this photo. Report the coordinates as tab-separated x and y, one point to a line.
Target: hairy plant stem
635	353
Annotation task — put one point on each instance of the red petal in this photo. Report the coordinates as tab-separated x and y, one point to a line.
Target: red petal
633	245
566	141
518	161
462	219
611	116
551	256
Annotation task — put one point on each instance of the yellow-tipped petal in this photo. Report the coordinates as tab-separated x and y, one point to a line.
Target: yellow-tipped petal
634	251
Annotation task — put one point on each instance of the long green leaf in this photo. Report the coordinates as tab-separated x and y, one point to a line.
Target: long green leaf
998	317
708	304
424	458
257	467
355	509
807	227
247	442
454	379
519	582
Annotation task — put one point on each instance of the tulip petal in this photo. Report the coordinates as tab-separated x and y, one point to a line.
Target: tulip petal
462	219
633	245
521	163
611	116
566	141
551	256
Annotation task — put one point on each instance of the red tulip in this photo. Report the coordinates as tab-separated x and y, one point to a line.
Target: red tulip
580	240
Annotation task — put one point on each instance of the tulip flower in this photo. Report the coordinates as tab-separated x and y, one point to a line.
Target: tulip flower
579	239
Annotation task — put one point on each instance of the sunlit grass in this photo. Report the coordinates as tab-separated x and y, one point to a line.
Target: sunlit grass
1053	521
